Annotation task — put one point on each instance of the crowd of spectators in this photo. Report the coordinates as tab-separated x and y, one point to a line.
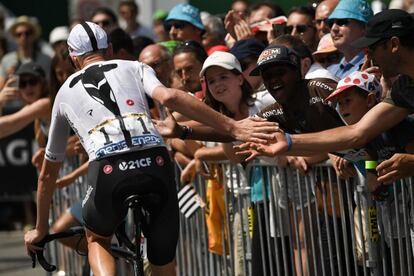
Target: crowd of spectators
257	60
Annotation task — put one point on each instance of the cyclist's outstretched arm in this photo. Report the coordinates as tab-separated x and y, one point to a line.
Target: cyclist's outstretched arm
45	188
191	107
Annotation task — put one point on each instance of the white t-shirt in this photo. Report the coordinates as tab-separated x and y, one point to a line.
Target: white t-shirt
105	105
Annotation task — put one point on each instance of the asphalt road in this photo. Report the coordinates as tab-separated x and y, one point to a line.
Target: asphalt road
13	258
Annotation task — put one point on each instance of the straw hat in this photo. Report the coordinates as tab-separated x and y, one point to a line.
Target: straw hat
31	22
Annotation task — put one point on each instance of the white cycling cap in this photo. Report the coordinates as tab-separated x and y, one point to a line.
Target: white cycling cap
86	37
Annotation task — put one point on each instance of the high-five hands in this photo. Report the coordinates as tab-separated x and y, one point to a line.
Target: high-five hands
275	145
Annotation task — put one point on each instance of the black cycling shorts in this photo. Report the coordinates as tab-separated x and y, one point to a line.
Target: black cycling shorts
114	178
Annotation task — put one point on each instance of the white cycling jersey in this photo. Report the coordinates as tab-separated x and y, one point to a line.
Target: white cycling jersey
105	105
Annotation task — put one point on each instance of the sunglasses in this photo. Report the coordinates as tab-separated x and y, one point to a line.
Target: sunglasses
320	21
333	58
177	25
103	23
299	28
339	22
26	34
25	82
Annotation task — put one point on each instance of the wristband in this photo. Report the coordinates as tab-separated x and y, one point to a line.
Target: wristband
289	141
187	133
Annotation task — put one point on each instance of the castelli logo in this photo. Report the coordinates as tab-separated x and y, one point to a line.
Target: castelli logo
159	160
130	102
107	169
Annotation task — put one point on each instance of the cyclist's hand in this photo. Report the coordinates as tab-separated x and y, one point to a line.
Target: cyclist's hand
30	238
38	157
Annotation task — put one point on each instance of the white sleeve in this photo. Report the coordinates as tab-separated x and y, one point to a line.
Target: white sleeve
58	135
149	79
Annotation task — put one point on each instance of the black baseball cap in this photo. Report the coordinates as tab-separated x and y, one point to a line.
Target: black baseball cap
275	54
31	68
247	47
385	24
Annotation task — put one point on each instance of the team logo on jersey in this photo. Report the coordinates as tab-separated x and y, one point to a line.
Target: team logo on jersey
159	160
130	102
90	112
107	169
123	166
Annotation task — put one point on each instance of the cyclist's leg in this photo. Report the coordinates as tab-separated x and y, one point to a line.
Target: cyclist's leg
163	270
100	259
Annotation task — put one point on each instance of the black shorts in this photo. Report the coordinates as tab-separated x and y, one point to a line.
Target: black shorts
114	178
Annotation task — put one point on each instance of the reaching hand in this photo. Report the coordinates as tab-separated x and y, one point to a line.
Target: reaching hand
38	157
342	167
9	92
254	129
242	30
254	150
168	128
230	20
400	165
299	163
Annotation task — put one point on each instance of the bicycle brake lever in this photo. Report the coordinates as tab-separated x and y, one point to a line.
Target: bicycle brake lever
33	256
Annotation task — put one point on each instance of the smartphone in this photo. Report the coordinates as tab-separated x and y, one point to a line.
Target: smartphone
16	80
279	29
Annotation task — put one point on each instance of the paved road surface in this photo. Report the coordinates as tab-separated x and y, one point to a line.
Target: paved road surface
13	259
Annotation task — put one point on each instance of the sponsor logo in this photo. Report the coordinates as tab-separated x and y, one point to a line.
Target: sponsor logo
90	112
139	141
88	194
135	164
159	160
130	102
107	169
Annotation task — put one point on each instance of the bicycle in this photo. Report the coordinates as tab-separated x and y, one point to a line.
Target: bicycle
129	250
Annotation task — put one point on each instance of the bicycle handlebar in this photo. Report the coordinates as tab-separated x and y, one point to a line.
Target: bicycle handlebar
74	231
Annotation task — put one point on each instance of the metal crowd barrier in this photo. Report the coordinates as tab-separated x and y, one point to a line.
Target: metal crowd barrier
313	224
67	261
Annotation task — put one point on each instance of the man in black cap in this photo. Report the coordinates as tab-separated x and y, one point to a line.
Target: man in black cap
390	45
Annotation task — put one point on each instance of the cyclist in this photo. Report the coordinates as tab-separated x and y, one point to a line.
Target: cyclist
104	103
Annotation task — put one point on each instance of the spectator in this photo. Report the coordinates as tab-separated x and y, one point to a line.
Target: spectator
347	23
241	7
158	25
300	24
140	42
322	12
326	54
26	33
184	23
247	51
215	32
122	45
129	10
58	37
188	60
159	59
263	11
106	18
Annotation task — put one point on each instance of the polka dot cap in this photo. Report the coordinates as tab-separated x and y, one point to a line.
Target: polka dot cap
363	80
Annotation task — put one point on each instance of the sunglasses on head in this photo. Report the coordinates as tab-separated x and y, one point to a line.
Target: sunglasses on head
177	25
339	22
25	33
299	28
103	23
25	82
